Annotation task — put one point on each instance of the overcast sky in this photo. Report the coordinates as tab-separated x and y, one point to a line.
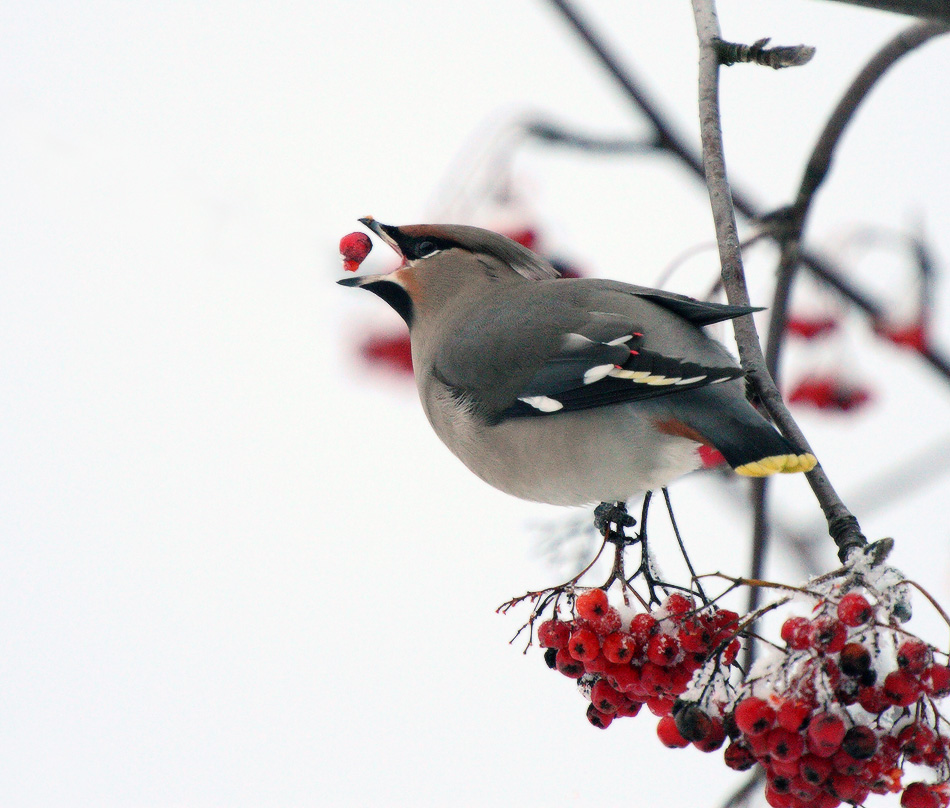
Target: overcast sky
236	567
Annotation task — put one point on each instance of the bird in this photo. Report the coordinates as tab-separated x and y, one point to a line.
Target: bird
567	391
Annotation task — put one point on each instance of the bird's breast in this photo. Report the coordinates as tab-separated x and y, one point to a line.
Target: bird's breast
572	458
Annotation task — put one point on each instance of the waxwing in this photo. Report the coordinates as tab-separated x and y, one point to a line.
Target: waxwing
567	390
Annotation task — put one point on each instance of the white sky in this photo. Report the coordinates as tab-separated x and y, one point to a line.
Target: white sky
236	569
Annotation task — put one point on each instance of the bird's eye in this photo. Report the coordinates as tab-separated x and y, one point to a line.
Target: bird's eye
426	248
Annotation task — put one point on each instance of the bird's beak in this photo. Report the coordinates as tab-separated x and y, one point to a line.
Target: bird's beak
390	288
364	280
385	231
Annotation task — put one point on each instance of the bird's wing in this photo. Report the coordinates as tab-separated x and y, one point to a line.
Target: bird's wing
698	312
556	353
585	373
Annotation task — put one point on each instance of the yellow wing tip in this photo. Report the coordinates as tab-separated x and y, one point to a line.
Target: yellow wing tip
778	464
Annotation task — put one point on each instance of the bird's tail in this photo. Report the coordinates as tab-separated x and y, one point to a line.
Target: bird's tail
748	442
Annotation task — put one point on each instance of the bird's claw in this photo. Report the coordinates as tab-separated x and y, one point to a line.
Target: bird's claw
612	513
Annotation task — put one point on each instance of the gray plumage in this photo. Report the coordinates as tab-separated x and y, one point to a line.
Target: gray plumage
567	391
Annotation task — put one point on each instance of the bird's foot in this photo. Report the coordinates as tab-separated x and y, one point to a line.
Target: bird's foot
612	513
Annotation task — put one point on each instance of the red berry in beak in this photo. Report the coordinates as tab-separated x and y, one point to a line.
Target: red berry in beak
354	247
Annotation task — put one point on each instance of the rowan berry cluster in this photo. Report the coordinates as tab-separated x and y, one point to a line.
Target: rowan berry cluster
832	717
842	709
649	659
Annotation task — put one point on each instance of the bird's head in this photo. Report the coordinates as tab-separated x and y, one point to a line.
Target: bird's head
441	261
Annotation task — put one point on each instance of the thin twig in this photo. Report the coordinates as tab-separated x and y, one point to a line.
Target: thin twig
679	539
760	541
561	136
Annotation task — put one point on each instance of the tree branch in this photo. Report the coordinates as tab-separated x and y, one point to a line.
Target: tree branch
842	525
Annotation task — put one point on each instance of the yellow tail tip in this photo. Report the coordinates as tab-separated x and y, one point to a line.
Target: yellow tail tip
778	464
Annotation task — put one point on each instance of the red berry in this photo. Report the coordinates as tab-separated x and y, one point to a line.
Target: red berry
754	716
759	744
655	680
796	632
780	784
553	634
873	700
778	799
936	681
607	623
814	769
845	764
914	656
660	705
642	627
739	757
567	665
785	745
583	645
792	715
825	799
626	678
629	708
599	719
844	786
829	634
725	619
935	758
854	610
731	652
620	647
693	722
696	637
783	768
804	790
714	739
860	742
901	688
592	604
604	697
599	664
920	795
916	742
854	659
677	605
825	734
668	734
354	247
663	649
